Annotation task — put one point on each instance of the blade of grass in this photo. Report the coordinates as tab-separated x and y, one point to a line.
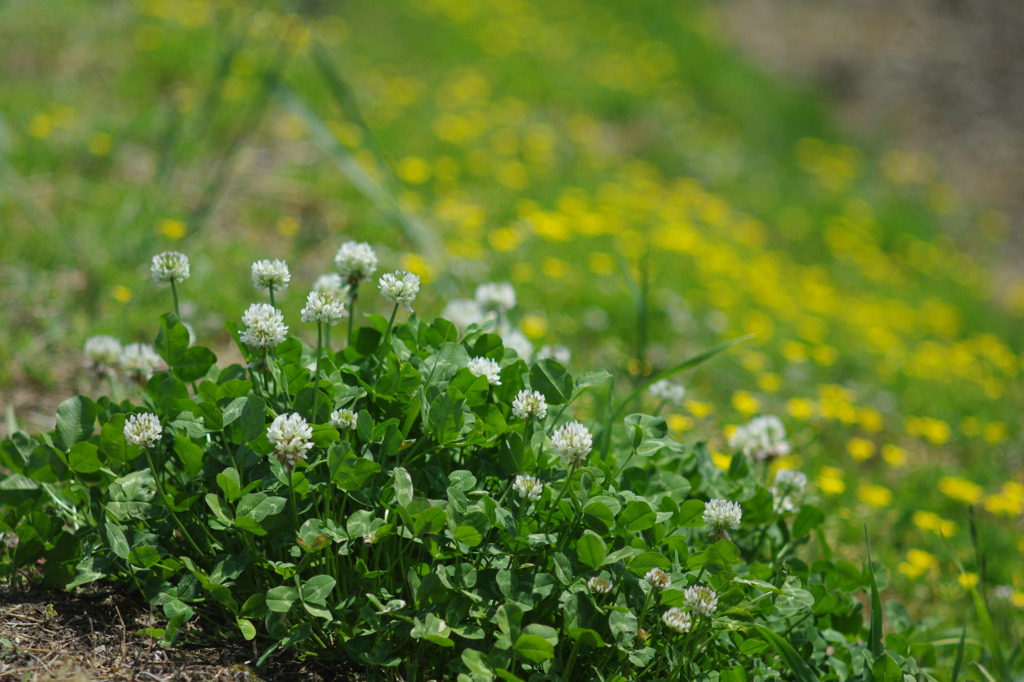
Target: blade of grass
959	661
875	630
788	654
981	603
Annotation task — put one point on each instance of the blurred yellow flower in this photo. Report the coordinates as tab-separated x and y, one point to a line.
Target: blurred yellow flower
917	564
414	170
171	228
961	489
721	461
100	144
745	403
770	382
534	326
121	294
800	408
894	455
680	422
830	481
874	495
931	521
699	409
860	449
968	580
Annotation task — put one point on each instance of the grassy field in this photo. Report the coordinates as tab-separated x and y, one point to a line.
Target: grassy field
647	192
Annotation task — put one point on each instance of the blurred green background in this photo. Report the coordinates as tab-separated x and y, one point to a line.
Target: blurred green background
648	191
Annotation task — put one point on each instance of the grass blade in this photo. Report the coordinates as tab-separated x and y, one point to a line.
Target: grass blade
959	661
875	632
788	654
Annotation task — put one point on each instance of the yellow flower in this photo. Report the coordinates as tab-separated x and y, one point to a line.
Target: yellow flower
680	422
860	449
995	433
960	489
415	264
171	228
800	408
745	403
1018	599
100	144
534	326
874	495
601	263
413	170
770	382
830	481
288	226
933	522
699	409
871	419
721	461
917	564
967	580
894	455
121	294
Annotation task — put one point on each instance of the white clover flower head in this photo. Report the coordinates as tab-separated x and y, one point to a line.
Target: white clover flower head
355	261
344	419
499	296
658	579
572	442
517	341
291	436
528	487
170	266
761	438
556	352
788	488
270	274
102	352
677	619
323	308
485	367
599	585
139	361
666	391
331	283
722	515
700	599
400	287
264	326
462	313
143	429
528	404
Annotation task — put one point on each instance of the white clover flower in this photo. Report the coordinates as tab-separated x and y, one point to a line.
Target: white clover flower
139	361
700	599
517	341
355	261
528	487
485	367
722	515
169	266
323	308
658	579
599	585
677	619
270	274
666	391
331	283
291	436
102	352
529	404
264	326
462	313
499	296
572	442
400	287
762	438
344	420
558	353
788	488
143	429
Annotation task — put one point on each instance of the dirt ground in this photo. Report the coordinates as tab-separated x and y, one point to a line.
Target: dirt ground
92	635
944	77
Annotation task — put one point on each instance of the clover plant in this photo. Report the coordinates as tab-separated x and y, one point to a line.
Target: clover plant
427	504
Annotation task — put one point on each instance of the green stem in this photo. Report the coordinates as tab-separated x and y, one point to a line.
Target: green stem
316	377
174	293
561	494
387	334
351	311
271	290
170	509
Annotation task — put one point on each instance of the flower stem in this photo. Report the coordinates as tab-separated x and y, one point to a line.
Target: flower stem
351	313
387	334
174	293
271	290
291	495
561	494
170	509
316	377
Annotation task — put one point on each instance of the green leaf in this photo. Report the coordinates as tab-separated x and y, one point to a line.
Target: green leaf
553	380
317	588
171	339
638	516
468	535
258	506
885	669
194	363
645	561
247	629
794	661
445	418
190	454
403	487
587	637
591	549
875	645
253	419
75	420
280	599
592	378
349	472
219	509
597	515
112	442
117	540
808	519
84	458
229	482
691	514
534	648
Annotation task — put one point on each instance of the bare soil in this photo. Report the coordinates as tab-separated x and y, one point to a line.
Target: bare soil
93	634
944	77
